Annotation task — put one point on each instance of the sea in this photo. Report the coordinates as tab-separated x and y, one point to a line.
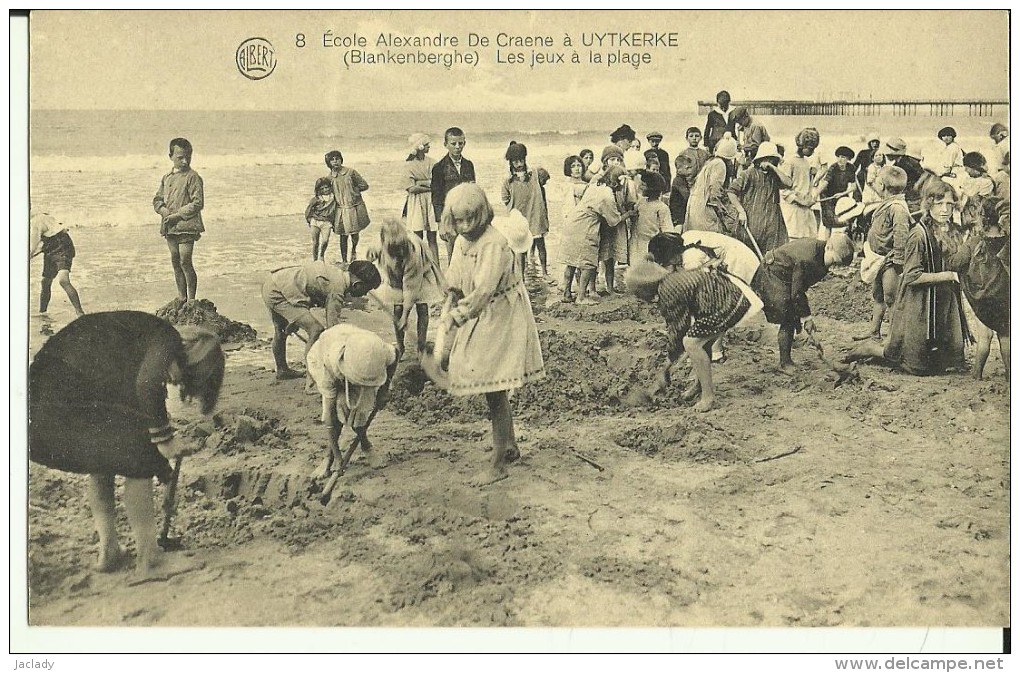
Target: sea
97	171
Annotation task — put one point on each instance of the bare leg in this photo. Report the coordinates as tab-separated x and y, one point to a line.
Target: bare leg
315	243
785	346
449	249
981	352
283	370
543	256
422	325
354	246
824	233
877	316
100	494
64	278
1004	352
152	563
398	310
568	281
610	273
45	294
865	350
504	444
179	277
522	261
343	247
433	244
702	363
187	250
587	279
324	236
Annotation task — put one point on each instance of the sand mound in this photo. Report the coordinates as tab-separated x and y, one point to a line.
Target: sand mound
203	313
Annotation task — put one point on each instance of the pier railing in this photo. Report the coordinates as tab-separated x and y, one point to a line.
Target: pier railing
870	108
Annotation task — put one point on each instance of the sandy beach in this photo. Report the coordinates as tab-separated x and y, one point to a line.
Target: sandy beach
802	501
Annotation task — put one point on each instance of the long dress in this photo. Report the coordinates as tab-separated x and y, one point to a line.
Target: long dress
581	228
351	211
797	213
526	196
758	192
495	346
97	395
418	207
926	331
708	198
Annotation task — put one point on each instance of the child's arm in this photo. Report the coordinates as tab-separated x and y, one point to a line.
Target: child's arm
504	192
913	267
308	210
487	273
159	201
438	189
543	176
900	229
196	199
785	180
358	181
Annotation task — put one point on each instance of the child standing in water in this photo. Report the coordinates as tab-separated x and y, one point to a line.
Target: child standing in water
49	237
522	191
320	215
412	277
351	212
179	202
493	306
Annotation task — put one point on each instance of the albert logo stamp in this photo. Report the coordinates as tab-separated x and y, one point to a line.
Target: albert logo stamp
256	58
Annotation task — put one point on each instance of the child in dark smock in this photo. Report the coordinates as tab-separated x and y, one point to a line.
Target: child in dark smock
783	280
495	347
97	406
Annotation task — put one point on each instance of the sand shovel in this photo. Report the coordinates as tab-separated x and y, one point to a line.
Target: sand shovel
432	363
166	542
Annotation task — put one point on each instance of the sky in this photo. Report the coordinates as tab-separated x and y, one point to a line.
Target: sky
186	60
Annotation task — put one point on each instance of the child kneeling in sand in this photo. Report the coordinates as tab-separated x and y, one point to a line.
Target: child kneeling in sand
349	366
495	347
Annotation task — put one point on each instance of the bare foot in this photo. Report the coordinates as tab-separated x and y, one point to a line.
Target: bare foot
288	374
705	404
691	391
490	476
111	559
513	454
788	366
163	567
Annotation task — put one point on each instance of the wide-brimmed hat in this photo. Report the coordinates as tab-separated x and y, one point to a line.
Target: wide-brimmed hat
515	229
727	147
847	209
844	151
611	151
871	137
894	147
653	136
365	359
416	142
767	149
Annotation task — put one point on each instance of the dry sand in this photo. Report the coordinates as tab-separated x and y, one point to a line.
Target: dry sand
882	501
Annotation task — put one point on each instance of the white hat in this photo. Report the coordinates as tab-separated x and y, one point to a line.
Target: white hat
847	209
515	229
417	141
365	359
634	160
726	148
767	149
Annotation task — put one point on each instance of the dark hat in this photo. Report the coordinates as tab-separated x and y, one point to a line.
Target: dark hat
947	131
651	154
844	151
998	128
975	160
611	151
624	132
516	151
653	135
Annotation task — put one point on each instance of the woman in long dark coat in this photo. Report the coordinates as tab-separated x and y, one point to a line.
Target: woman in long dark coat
97	406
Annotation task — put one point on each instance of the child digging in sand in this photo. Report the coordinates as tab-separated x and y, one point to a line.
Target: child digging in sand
412	278
49	237
495	347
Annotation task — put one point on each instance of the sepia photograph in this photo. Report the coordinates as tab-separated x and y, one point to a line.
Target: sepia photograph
530	319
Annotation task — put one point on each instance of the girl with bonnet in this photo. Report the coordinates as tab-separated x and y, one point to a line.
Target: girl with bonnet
495	347
418	210
524	190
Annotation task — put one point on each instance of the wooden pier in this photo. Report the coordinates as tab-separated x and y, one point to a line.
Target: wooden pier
870	108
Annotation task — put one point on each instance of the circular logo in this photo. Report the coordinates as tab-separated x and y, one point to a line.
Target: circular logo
256	58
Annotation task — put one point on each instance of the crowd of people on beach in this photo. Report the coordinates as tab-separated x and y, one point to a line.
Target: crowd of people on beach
735	225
